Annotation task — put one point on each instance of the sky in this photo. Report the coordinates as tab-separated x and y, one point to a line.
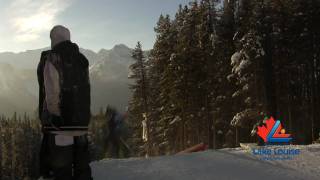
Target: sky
94	24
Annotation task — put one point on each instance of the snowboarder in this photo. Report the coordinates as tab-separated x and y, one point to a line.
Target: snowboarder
117	133
64	109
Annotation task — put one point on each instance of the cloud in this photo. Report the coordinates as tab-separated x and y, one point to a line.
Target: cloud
30	18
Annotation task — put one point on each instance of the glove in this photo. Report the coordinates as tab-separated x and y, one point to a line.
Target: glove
56	121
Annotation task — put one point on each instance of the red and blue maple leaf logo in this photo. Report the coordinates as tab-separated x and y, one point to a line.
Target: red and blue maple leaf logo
272	132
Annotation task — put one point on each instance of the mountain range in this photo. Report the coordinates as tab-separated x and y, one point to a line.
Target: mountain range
108	76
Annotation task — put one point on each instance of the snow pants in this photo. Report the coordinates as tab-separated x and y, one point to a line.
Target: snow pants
45	170
69	162
118	149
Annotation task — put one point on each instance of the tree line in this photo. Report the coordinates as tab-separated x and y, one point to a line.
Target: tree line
20	142
218	68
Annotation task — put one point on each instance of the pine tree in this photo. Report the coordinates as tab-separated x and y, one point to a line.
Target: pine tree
160	81
139	102
216	70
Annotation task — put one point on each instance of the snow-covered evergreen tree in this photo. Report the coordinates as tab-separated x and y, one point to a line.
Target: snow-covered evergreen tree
139	102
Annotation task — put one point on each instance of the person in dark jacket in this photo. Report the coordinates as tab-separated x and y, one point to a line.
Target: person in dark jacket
117	133
64	109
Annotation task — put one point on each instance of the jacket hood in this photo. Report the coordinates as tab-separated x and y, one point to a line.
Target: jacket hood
60	43
66	48
69	49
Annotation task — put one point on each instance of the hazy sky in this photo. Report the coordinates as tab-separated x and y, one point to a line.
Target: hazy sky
94	24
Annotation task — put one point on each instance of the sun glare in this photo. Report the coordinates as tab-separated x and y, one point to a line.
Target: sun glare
34	23
33	18
28	28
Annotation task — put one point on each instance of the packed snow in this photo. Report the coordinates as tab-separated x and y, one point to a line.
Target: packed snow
232	164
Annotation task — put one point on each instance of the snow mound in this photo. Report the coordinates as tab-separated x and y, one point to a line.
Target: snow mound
236	163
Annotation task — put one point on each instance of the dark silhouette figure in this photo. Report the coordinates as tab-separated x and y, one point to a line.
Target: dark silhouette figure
117	133
64	109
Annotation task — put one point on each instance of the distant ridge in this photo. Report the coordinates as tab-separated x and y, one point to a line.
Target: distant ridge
108	74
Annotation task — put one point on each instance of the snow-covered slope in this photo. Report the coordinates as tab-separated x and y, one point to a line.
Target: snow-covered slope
231	164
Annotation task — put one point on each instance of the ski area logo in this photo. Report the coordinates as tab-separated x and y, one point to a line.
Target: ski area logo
272	132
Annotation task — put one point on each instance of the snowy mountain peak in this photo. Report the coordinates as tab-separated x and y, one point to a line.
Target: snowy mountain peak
103	51
108	76
121	47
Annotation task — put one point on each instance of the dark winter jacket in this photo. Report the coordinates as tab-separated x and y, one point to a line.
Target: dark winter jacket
62	55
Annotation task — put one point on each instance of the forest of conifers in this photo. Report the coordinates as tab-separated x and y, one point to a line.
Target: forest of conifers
20	141
216	70
219	68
